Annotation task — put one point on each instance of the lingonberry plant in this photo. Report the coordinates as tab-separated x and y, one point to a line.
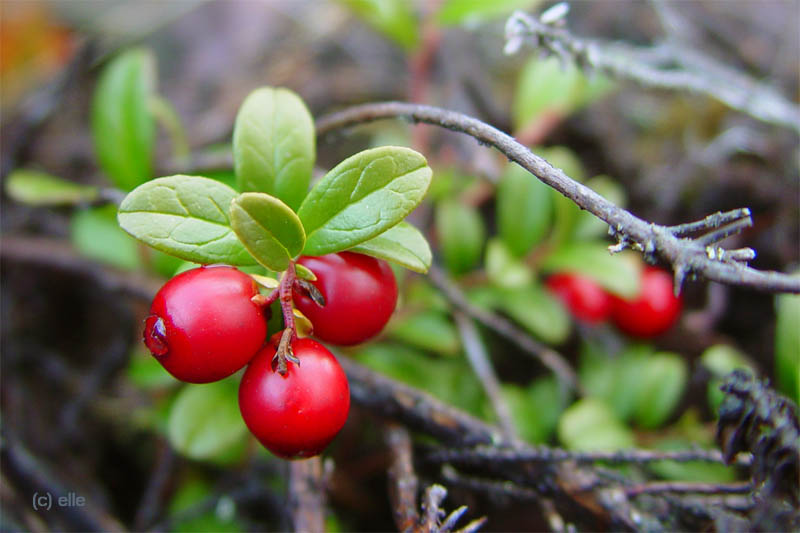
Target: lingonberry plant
653	311
207	323
358	293
203	325
583	297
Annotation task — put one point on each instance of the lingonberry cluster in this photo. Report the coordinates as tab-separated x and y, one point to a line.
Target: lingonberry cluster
650	313
209	322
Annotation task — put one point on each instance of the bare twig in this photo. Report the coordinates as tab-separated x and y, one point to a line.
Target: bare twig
482	366
667	65
688	487
685	255
403	483
307	495
546	355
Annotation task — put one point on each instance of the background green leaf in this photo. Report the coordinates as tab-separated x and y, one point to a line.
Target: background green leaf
403	244
268	228
122	125
787	344
95	233
471	12
274	145
428	329
524	209
461	235
39	188
393	18
535	409
537	311
589	424
503	269
185	216
363	196
204	422
663	380
592	259
721	360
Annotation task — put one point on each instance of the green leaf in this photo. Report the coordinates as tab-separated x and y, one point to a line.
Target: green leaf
662	382
461	235
185	216
95	234
362	197
524	209
39	188
537	311
535	409
588	226
721	360
593	260
393	18
787	345
204	421
122	124
193	495
690	471
471	12
268	228
503	269
403	244
589	424
273	145
615	379
146	372
548	86
428	329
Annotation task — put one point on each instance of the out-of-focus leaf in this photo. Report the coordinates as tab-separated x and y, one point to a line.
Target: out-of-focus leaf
461	235
692	471
535	409
592	259
545	85
590	424
393	18
616	379
536	310
362	197
204	422
194	493
524	209
664	378
428	329
721	360
95	233
274	145
145	372
787	344
503	269
471	12
39	188
122	124
588	226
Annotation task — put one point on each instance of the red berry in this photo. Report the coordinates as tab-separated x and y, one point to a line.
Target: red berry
651	313
360	294
202	325
585	299
299	413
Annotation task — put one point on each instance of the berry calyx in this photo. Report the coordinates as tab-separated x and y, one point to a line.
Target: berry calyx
585	299
653	311
360	294
298	413
203	325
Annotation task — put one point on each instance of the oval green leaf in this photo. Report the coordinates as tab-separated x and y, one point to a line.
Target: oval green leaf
402	244
503	269
184	216
39	188
461	234
537	311
123	128
471	12
268	228
362	197
204	422
593	260
393	18
589	424
428	329
524	209
787	345
662	381
273	145
95	234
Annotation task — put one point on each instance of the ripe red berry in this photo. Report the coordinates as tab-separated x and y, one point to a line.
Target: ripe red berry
202	325
299	413
583	297
651	313
360	294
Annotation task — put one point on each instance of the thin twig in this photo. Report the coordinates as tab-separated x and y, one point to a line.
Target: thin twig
547	356
712	221
479	360
688	487
685	255
307	495
403	483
